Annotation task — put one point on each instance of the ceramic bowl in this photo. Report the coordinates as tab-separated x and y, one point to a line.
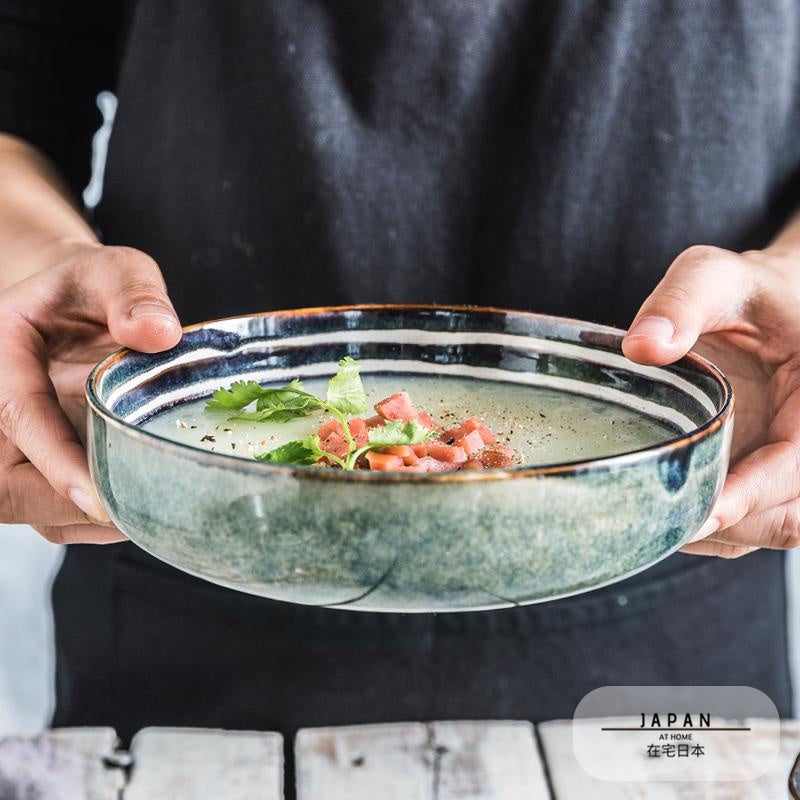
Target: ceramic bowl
407	542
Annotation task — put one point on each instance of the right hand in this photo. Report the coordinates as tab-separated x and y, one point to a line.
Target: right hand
54	326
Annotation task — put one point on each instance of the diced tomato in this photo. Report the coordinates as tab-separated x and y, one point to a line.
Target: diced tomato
487	435
476	424
402	450
384	462
451	434
397	406
331	437
446	452
328	427
359	431
334	443
428	421
471	443
429	464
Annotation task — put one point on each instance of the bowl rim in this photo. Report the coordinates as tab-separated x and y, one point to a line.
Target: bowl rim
560	469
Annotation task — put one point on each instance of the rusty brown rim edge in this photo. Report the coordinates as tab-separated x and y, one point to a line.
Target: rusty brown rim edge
707	429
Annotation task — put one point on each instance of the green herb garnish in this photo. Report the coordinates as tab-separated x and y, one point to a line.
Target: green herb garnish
239	395
301	451
281	405
392	434
345	396
307	451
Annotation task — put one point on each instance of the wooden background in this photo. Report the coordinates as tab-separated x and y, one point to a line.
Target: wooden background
488	760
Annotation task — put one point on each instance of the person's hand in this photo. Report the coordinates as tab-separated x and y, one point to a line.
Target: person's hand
741	311
54	326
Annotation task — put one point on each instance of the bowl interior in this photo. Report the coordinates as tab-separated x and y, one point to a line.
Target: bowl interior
518	347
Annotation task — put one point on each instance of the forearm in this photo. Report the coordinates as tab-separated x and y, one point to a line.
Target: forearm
39	221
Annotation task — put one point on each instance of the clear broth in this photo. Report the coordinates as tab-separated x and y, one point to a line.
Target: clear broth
544	426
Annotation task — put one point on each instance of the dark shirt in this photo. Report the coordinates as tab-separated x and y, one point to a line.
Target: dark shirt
552	155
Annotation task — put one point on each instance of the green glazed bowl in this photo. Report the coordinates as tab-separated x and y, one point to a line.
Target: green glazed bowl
396	541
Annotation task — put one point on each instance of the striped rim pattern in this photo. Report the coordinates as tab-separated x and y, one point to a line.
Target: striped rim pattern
691	396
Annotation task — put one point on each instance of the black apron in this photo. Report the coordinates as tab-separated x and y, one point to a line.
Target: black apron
552	155
139	643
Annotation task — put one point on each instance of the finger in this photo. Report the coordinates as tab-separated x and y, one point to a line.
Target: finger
704	290
776	528
128	290
28	498
31	418
768	477
80	534
118	288
75	411
719	549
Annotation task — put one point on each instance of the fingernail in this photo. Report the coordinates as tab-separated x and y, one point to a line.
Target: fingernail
711	525
88	504
659	328
153	310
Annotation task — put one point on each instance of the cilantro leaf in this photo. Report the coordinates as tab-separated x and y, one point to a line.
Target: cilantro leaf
302	451
274	414
238	396
276	404
282	404
399	432
345	390
289	396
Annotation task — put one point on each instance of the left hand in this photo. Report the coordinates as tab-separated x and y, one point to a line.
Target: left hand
741	311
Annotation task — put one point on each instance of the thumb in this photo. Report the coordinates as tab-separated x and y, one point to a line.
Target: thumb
132	292
704	290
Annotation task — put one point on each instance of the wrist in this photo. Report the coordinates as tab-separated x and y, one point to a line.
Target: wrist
783	251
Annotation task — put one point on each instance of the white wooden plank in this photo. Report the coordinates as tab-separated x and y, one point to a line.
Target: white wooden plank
65	764
491	760
569	780
349	763
204	764
495	760
91	741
